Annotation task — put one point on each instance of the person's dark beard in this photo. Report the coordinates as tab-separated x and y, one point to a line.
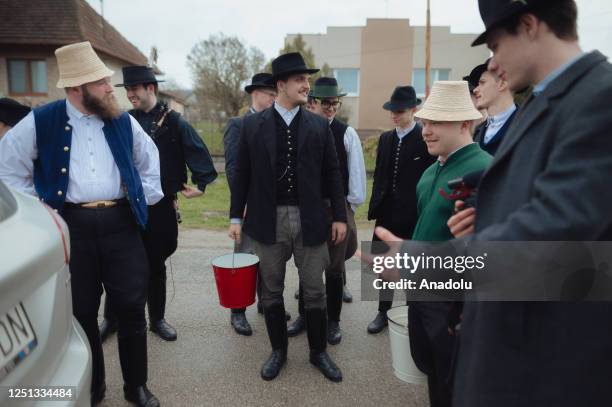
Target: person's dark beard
106	108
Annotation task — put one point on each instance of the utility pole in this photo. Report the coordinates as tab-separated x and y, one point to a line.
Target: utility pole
427	50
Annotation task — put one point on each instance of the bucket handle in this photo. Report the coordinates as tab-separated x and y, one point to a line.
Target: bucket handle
397	323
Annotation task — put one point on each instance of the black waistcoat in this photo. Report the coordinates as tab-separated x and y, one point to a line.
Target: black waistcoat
168	141
338	129
396	207
286	160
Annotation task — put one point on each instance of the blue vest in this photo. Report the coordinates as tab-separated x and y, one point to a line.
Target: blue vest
53	142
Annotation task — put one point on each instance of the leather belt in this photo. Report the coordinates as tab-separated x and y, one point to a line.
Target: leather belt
98	204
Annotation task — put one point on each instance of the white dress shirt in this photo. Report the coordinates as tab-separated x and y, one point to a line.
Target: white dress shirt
401	133
286	114
93	174
495	123
356	168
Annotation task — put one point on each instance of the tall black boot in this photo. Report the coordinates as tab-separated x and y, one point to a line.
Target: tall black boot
299	324
98	377
316	324
133	359
277	332
333	290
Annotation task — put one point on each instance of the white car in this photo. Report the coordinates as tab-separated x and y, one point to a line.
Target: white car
44	353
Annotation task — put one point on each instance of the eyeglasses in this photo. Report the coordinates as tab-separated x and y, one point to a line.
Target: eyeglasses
329	103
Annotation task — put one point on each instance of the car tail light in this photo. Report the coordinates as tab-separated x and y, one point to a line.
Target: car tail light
57	219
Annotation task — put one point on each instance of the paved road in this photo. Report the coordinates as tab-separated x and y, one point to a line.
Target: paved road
210	365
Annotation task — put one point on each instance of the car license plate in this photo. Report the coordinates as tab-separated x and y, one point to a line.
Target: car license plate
17	339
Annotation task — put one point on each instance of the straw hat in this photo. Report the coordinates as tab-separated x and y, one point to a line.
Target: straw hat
79	64
449	101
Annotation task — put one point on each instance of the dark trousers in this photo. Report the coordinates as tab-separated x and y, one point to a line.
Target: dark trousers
160	240
107	252
432	348
403	230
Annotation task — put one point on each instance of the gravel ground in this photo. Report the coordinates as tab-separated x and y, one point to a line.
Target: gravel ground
210	365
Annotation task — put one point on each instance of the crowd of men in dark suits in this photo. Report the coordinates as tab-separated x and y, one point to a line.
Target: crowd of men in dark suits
296	175
535	186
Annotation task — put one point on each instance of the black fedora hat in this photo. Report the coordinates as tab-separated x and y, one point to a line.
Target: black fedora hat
326	87
290	64
136	75
495	12
403	97
474	77
11	111
260	80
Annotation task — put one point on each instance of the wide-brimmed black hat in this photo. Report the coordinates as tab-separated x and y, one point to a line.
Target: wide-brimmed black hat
326	87
495	12
11	111
474	77
260	80
138	74
403	97
290	64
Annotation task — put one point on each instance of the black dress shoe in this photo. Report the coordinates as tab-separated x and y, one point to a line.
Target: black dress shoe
107	328
274	364
97	395
297	327
140	395
346	295
379	323
334	334
241	325
327	366
163	329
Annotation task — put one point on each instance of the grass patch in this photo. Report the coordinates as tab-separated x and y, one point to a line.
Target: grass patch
212	134
211	211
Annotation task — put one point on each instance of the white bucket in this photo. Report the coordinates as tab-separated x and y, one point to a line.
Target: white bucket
403	365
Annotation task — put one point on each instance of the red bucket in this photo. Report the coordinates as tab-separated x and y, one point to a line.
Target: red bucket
236	278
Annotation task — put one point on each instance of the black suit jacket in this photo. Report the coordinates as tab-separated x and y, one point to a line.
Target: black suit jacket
417	162
231	136
494	144
549	181
255	177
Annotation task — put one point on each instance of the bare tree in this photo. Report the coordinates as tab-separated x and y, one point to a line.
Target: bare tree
220	67
299	45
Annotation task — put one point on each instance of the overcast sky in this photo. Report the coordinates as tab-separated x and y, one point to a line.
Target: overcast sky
176	26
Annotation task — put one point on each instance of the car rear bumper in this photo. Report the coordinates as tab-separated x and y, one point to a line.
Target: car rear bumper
74	368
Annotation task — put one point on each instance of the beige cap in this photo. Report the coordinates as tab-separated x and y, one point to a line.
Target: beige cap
79	64
449	101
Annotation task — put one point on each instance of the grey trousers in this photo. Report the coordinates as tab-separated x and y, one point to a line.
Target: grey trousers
309	260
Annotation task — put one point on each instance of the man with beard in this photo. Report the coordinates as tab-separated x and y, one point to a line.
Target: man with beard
326	104
178	144
401	158
11	112
286	158
98	168
262	92
538	188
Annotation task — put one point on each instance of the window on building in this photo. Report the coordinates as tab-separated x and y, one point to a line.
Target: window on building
348	80
27	77
418	78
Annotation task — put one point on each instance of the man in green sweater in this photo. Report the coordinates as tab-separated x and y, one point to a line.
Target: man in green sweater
447	117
